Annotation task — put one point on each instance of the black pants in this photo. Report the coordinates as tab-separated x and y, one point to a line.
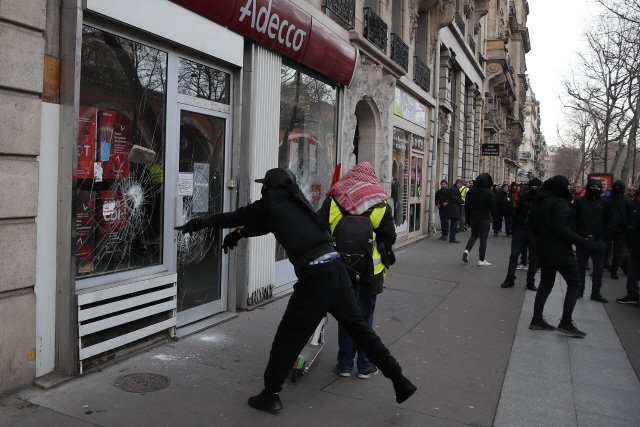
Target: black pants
523	239
320	289
596	253
479	228
547	279
633	275
614	251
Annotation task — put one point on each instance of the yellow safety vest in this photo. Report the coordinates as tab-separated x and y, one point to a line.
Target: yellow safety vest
463	192
157	176
335	215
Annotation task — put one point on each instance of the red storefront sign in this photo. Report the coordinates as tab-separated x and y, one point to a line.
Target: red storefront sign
286	28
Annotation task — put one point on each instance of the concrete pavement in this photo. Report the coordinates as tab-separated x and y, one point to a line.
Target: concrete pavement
459	337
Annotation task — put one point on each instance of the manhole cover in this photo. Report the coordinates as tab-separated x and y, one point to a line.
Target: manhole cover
141	383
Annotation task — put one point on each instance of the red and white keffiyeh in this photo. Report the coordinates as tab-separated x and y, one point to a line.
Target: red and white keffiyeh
359	189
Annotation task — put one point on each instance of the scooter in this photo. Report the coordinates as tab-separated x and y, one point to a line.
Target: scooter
310	351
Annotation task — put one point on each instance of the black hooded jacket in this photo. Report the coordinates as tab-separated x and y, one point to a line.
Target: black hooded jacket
591	214
284	211
480	201
621	207
551	212
522	213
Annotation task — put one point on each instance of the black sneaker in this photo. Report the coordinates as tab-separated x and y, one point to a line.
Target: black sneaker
531	286
599	298
403	387
541	325
628	300
369	373
266	402
571	330
581	295
342	373
507	284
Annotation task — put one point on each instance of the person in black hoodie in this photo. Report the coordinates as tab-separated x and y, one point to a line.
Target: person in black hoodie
554	244
633	264
454	203
621	209
591	216
504	204
480	207
524	238
442	198
323	282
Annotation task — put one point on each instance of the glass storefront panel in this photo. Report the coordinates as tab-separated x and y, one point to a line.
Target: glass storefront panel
308	125
119	170
400	176
204	82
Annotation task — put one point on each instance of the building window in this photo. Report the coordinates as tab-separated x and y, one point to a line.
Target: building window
119	174
308	126
203	82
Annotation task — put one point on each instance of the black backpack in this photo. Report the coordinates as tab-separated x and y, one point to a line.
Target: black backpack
353	240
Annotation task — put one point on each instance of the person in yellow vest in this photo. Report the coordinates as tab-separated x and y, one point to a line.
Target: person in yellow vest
463	194
359	192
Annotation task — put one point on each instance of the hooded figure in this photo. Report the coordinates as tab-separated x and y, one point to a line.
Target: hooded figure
323	282
554	241
591	216
621	213
480	206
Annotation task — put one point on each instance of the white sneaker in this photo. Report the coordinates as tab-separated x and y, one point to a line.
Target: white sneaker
465	256
521	267
484	263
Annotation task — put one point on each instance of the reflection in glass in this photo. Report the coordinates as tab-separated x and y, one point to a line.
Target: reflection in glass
119	178
400	174
203	82
201	172
308	123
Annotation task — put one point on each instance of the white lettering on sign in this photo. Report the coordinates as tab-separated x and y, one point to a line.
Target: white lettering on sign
271	23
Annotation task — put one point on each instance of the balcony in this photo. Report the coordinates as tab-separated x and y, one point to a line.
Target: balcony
375	29
460	23
343	9
472	44
421	74
525	155
399	52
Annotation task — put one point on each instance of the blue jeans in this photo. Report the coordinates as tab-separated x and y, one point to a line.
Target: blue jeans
523	239
597	254
453	229
444	223
347	347
508	220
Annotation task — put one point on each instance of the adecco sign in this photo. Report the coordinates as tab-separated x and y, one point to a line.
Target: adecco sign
286	28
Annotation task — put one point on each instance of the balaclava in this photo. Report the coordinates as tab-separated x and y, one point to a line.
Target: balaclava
592	193
618	188
535	182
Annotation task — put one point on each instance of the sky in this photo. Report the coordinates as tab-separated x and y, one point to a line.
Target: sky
556	31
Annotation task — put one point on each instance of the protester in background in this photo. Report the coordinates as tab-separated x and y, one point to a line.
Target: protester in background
454	210
554	244
636	197
578	191
591	216
605	187
523	238
463	194
442	199
481	207
359	192
505	211
631	191
470	184
633	262
621	208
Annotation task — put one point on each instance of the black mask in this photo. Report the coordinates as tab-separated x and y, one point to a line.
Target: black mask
263	191
533	191
593	193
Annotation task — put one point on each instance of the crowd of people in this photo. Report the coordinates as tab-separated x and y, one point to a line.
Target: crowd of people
555	228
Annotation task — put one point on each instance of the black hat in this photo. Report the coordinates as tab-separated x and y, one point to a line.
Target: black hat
277	177
535	182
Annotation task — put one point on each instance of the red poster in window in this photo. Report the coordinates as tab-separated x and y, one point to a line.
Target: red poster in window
114	144
316	192
85	224
115	214
86	143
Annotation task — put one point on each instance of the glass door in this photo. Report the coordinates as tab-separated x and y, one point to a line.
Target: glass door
415	196
201	173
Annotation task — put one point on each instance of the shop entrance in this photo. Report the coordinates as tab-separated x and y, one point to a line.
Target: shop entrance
415	196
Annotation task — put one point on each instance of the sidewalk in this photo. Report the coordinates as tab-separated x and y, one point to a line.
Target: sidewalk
459	337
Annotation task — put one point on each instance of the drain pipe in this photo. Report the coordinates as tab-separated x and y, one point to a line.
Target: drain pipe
434	141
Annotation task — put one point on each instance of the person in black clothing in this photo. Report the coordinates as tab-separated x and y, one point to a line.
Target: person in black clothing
524	238
442	198
323	282
454	204
591	216
480	206
504	205
554	241
633	264
621	209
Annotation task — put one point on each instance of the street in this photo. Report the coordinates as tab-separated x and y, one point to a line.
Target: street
462	339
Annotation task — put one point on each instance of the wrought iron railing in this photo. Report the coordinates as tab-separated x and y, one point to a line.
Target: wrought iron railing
421	74
481	59
375	29
525	154
343	9
472	44
399	52
460	23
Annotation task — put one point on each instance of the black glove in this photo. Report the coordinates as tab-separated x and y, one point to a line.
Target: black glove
195	224
231	240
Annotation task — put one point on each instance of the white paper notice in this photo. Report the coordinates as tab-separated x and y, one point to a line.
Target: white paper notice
185	184
200	187
108	208
97	171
